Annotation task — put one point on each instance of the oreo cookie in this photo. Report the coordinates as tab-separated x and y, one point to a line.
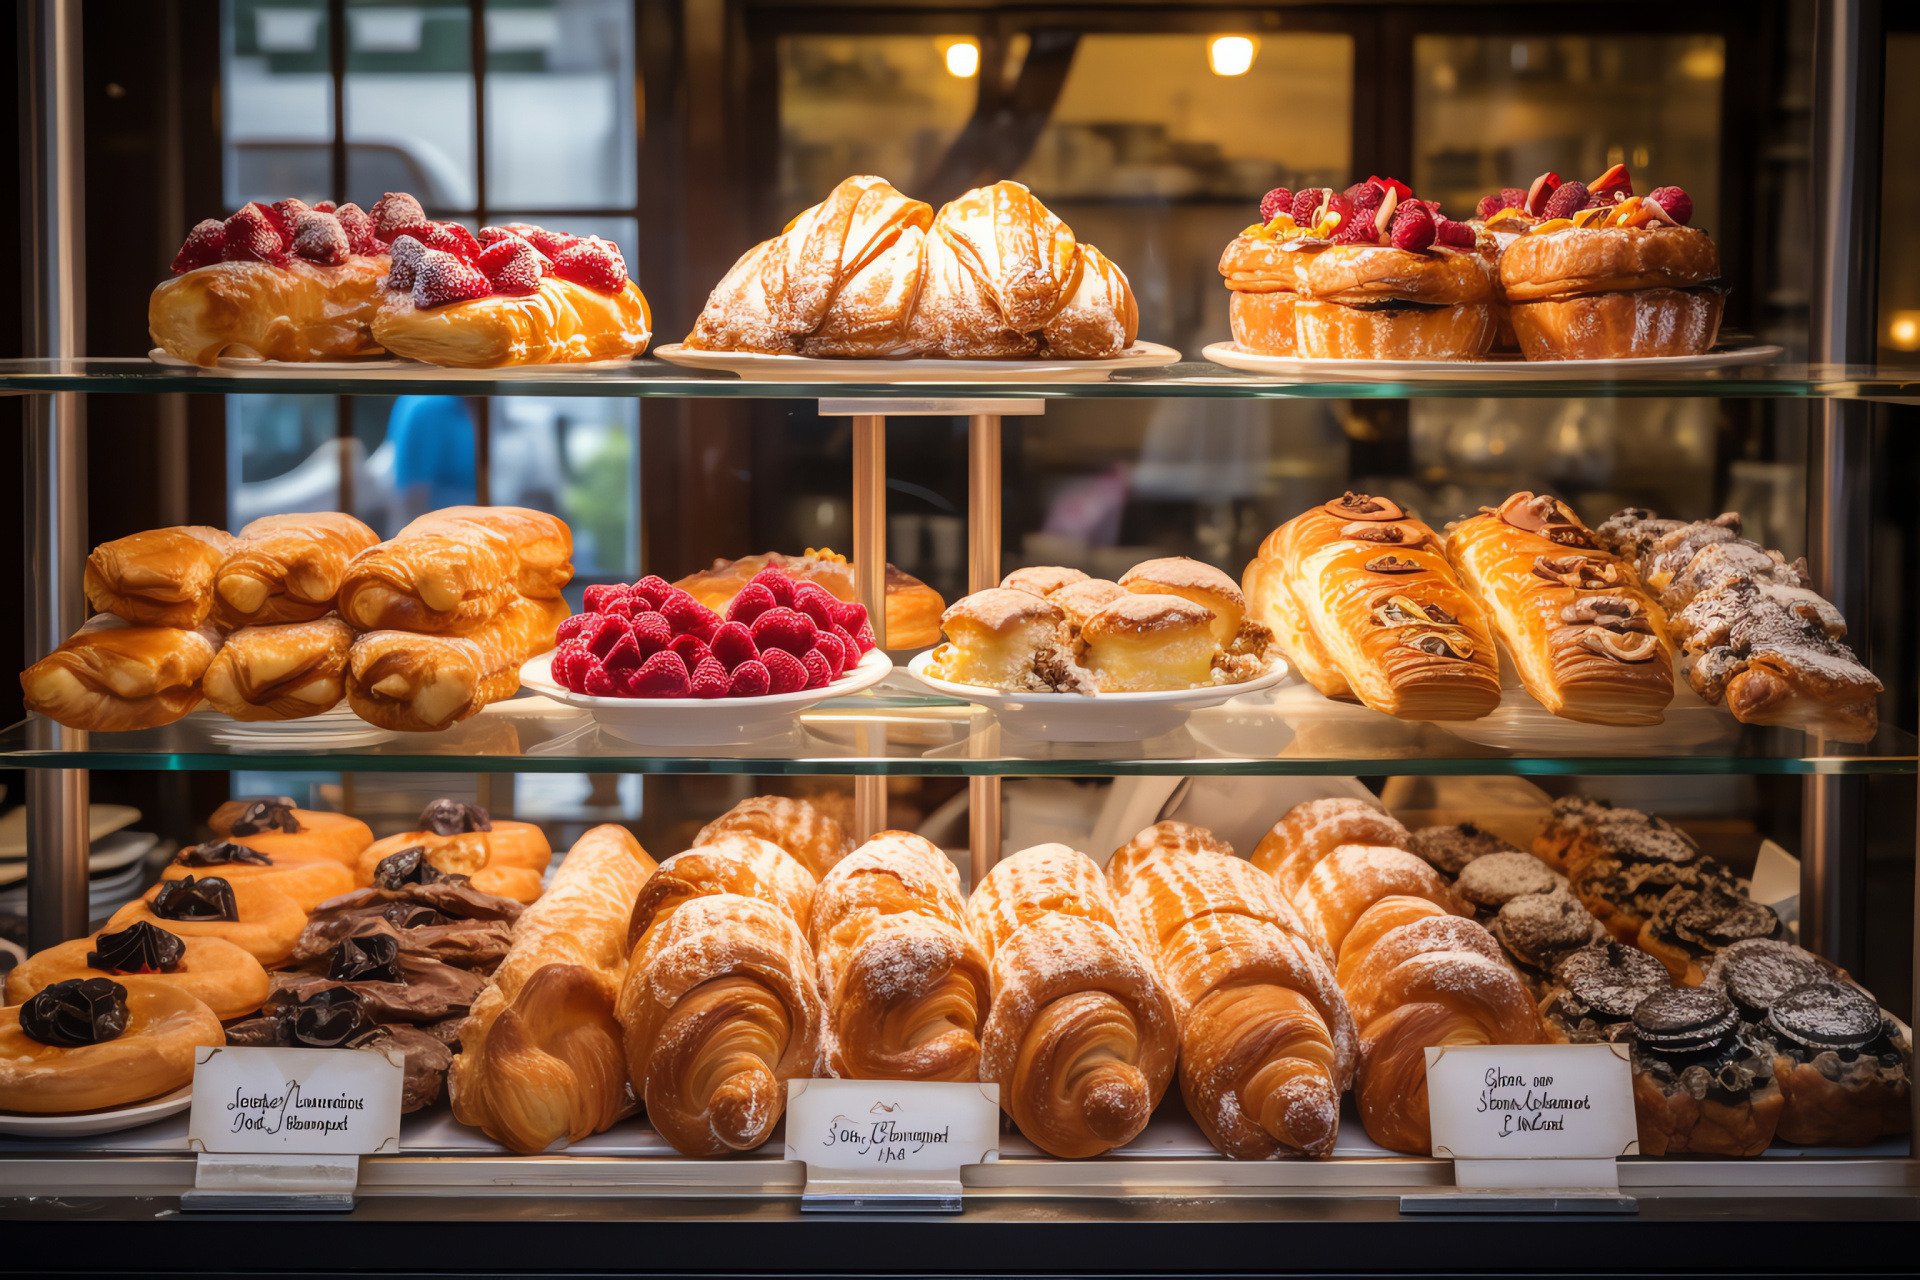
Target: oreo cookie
1536	928
1827	1015
1448	849
1609	980
1755	974
1711	917
1685	1020
1491	881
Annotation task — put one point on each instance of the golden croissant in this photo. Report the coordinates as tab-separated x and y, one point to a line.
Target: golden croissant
287	568
540	1056
1313	829
870	272
804	830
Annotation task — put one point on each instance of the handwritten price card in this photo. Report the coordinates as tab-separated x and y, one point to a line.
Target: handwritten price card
1531	1102
874	1145
296	1101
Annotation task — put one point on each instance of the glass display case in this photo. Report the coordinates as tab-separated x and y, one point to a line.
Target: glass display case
1198	459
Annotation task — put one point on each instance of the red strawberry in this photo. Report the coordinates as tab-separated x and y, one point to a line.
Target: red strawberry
710	680
1567	199
286	216
593	262
252	236
1305	201
602	633
787	629
1277	201
395	212
1489	205
1455	235
490	236
600	683
1675	203
852	646
653	589
359	228
663	675
785	673
848	614
828	646
733	645
625	656
816	602
326	206
451	237
601	594
441	278
319	237
651	632
754	599
819	670
551	243
513	265
203	246
403	258
1412	227
750	680
691	648
689	616
571	626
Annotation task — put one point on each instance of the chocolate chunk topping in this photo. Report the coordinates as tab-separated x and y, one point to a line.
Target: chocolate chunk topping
370	958
1759	972
1827	1015
1448	849
330	1019
407	915
143	948
409	866
1536	927
454	818
210	898
1582	573
1685	1019
79	1011
1363	506
1713	916
1611	979
1500	877
265	815
1546	516
1633	837
221	853
1366	531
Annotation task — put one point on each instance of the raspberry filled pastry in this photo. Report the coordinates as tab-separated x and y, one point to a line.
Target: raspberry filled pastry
286	281
518	294
1369	273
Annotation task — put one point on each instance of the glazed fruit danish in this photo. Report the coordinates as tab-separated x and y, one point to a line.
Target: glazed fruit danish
286	281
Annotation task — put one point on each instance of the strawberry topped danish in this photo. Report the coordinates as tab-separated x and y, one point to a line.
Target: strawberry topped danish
1591	271
286	281
1369	273
513	295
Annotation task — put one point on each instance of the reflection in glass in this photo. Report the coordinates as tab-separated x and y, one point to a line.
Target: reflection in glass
560	104
409	103
1900	172
580	460
277	101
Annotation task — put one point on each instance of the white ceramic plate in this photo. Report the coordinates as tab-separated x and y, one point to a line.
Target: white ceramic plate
1097	717
1230	355
702	722
338	727
768	368
159	356
1521	724
102	821
87	1123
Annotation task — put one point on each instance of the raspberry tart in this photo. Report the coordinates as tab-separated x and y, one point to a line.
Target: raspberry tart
286	281
1369	273
1590	271
512	295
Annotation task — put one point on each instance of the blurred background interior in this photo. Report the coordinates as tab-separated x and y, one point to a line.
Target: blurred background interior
687	130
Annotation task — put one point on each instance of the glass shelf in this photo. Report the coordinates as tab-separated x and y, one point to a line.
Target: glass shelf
1294	731
1191	379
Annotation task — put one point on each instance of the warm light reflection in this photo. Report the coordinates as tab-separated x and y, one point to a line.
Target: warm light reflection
963	59
1230	55
1903	334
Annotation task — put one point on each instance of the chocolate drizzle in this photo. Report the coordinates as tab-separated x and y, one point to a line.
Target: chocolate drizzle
408	866
1364	506
221	853
370	957
407	915
265	815
188	899
1545	515
79	1011
142	948
454	818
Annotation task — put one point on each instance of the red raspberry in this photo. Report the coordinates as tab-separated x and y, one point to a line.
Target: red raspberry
395	212
733	645
625	656
653	588
787	629
651	632
601	594
1305	201
1412	227
326	206
252	236
490	236
710	680
593	262
754	599
691	648
779	583
785	673
319	237
1567	199
1356	225
816	602
626	607
1365	197
569	652
828	646
571	627
1454	235
1488	206
440	278
819	670
514	266
1277	201
1539	193
451	237
1400	189
663	675
852	646
863	637
750	680
359	228
600	683
403	258
690	617
1675	203
848	614
203	246
551	243
601	633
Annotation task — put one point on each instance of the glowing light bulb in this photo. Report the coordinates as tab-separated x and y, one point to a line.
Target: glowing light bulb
1904	333
963	59
1230	55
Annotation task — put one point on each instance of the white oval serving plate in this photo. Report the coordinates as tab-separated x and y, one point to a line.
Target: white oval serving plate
771	368
85	1124
1513	367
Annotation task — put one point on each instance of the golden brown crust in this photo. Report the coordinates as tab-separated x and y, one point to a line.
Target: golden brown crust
808	833
285	671
423	684
336	836
213	971
111	676
1823	1112
153	1056
1263	323
269	925
1578	260
287	568
1334	331
1634	324
1680	1124
560	323
1357	273
1256	264
299	312
158	577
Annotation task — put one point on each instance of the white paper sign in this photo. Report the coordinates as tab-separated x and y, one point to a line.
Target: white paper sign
868	1142
1531	1102
310	1101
